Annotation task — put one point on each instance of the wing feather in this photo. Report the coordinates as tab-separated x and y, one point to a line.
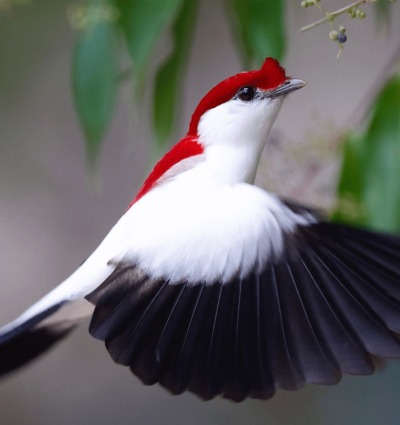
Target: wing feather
287	373
372	332
207	369
180	355
333	332
323	307
317	362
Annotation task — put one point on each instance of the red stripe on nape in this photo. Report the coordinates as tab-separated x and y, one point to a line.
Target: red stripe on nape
270	75
186	148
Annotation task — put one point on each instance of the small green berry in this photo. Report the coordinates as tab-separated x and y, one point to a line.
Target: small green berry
333	35
352	13
304	4
360	14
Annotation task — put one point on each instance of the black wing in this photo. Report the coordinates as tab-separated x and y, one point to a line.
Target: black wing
326	307
29	340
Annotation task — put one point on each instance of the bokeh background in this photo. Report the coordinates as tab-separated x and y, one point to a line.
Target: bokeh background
52	215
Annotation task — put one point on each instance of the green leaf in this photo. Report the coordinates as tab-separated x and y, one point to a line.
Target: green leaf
370	175
169	77
350	188
382	160
142	22
259	26
94	79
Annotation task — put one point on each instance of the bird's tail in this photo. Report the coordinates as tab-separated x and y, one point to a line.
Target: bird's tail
61	310
27	337
51	318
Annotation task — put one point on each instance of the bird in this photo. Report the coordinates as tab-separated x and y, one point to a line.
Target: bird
212	285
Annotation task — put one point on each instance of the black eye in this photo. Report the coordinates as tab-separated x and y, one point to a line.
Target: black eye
246	93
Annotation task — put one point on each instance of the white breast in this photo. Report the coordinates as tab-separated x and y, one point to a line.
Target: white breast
205	234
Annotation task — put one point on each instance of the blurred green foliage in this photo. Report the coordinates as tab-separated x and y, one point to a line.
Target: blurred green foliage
170	74
94	80
259	29
369	185
382	8
142	23
139	25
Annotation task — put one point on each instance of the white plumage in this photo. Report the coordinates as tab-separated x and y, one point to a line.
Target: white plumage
217	231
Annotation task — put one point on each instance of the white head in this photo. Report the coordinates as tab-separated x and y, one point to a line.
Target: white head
206	225
234	119
229	128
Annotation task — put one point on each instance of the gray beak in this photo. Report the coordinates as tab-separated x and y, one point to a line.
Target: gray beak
291	84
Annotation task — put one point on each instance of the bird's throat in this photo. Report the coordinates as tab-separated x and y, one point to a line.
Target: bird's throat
232	164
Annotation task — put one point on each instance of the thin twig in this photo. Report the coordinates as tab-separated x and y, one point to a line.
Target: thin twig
330	16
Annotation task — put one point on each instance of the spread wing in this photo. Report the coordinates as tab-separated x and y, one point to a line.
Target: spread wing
326	306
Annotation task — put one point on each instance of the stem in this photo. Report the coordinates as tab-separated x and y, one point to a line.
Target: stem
330	16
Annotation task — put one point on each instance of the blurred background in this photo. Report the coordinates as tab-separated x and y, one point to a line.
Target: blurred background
56	206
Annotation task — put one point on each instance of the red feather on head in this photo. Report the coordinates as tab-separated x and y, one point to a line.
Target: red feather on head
268	77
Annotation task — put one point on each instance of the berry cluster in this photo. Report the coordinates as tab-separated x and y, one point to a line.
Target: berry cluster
356	12
338	36
337	33
307	3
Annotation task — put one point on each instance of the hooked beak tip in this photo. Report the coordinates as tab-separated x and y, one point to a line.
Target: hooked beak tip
291	84
297	83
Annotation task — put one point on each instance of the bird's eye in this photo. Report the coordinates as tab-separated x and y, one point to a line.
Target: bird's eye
246	93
